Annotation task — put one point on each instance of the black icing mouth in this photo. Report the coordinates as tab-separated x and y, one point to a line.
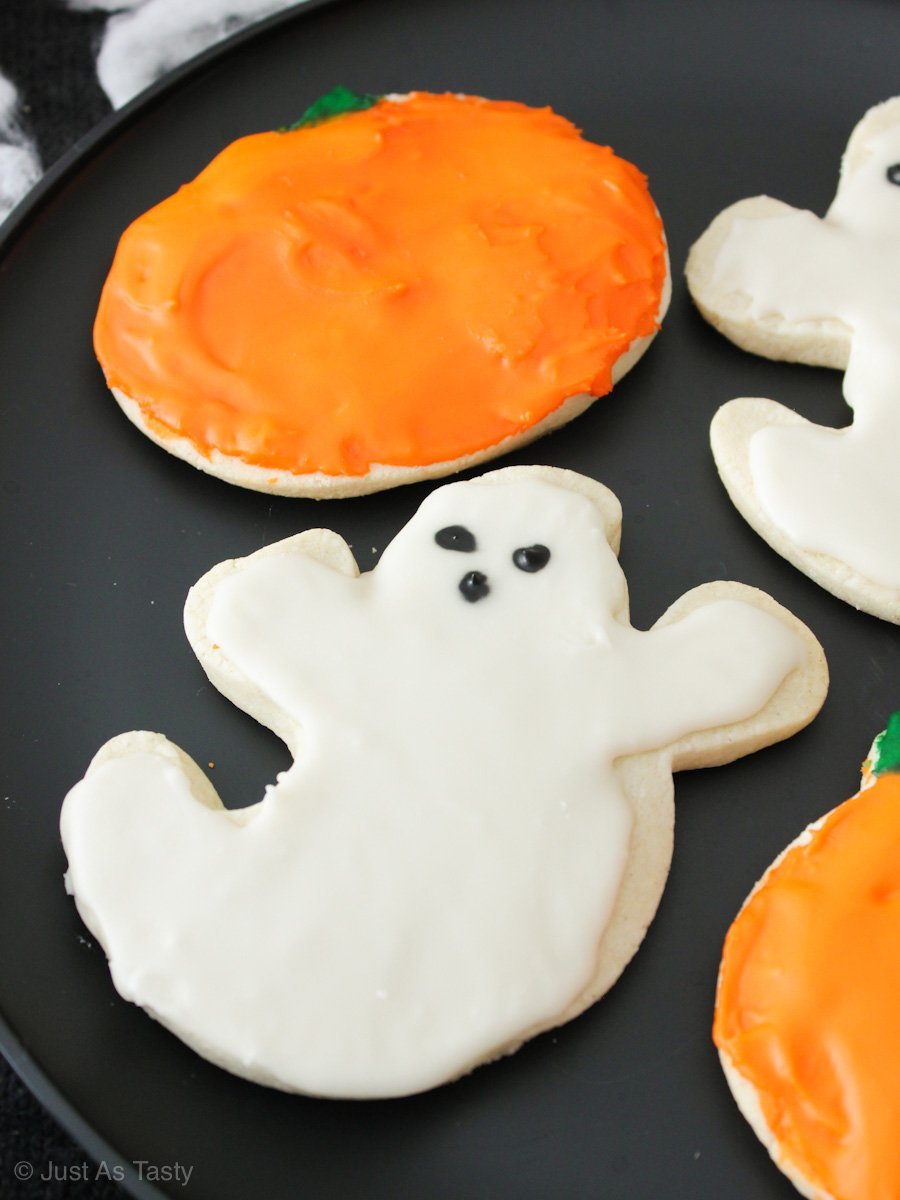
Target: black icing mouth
474	586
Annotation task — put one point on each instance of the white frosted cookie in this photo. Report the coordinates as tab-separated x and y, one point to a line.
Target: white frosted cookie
477	826
413	285
806	1001
786	284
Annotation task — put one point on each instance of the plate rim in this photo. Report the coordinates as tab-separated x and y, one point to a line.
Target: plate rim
117	120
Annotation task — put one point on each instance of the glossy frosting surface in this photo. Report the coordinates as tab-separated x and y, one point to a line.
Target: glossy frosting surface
403	285
808	998
430	880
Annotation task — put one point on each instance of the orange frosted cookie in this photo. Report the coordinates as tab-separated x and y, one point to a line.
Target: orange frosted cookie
809	992
384	294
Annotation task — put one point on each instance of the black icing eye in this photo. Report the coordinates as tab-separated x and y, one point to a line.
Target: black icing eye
893	174
474	586
531	558
456	537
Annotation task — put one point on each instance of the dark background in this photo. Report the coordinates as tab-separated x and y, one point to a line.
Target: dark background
715	102
47	51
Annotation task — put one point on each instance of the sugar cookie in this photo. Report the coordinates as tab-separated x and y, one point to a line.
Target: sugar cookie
477	826
785	284
392	294
806	1010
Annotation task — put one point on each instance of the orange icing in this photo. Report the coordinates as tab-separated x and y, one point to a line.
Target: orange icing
808	1006
403	285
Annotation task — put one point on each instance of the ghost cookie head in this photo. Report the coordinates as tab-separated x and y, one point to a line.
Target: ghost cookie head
787	284
512	541
868	195
476	829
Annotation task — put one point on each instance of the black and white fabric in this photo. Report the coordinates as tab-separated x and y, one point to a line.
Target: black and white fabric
66	63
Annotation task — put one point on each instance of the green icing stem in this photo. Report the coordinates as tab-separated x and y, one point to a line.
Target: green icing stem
886	747
333	104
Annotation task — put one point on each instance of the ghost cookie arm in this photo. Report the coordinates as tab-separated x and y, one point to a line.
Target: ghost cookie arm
275	619
133	781
724	672
764	239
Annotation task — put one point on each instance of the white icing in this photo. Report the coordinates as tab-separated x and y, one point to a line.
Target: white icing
430	880
834	491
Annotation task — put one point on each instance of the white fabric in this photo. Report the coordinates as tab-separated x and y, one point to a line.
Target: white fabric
20	167
144	39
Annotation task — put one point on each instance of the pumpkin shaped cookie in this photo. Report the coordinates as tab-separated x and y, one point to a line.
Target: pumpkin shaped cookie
381	295
808	995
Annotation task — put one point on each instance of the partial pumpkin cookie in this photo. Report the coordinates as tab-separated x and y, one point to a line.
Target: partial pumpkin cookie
806	1008
477	826
394	289
786	284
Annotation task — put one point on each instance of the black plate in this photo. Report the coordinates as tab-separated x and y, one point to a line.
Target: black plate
103	534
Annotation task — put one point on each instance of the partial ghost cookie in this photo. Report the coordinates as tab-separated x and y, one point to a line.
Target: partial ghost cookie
477	826
784	283
806	1009
389	292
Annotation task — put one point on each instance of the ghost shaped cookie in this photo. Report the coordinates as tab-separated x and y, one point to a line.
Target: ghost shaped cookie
806	1010
788	285
477	825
